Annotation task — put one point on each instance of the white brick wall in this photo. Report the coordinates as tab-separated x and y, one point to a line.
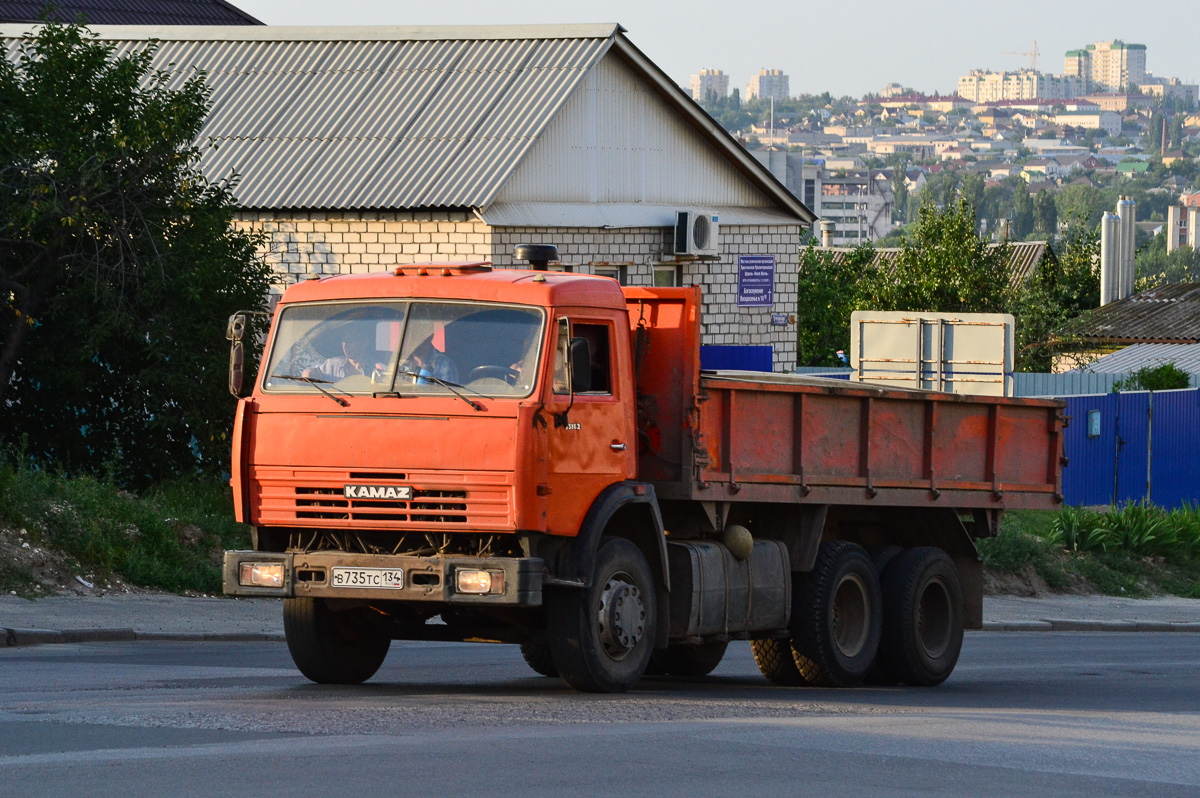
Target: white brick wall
353	243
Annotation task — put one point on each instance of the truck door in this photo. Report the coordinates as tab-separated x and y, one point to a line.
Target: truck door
591	443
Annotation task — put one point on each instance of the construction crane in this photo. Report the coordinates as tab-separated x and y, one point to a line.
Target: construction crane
1033	54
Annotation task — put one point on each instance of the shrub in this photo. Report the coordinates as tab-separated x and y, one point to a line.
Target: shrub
1166	377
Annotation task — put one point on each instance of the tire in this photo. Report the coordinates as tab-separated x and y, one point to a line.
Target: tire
537	656
335	647
775	662
923	617
881	557
601	637
693	660
837	617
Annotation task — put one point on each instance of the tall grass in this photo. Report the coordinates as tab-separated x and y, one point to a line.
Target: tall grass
170	538
1134	549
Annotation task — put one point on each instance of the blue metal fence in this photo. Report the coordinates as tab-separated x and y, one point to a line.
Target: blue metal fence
1133	447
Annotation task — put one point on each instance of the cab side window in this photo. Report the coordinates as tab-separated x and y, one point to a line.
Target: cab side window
597	336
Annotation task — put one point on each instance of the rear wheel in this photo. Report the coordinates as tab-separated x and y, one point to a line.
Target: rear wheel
775	662
328	647
923	620
537	656
881	557
690	660
836	617
601	637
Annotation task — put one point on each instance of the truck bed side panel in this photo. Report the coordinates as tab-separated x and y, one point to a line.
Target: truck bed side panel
794	441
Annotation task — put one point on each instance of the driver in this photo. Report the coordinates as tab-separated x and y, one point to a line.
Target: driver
429	362
355	359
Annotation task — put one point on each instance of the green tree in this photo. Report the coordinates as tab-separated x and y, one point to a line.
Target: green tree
1155	266
119	263
943	266
830	287
1023	215
972	192
1045	214
1047	303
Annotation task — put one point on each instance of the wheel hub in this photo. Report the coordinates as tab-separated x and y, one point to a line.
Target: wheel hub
622	617
851	616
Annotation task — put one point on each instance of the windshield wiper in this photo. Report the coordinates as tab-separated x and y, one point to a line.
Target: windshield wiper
450	386
314	383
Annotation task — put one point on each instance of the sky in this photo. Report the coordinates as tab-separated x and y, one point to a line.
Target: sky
845	48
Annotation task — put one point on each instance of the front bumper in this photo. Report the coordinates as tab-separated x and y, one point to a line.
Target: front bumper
426	579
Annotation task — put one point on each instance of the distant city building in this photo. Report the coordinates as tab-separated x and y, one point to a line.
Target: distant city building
1107	66
858	201
712	82
894	90
1120	103
983	85
1169	89
1108	121
767	84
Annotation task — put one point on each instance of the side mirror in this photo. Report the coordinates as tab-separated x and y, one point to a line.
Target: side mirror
581	366
235	332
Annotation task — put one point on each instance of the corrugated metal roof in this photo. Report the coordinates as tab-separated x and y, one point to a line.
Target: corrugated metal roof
1185	356
1024	257
373	118
1169	314
129	12
392	117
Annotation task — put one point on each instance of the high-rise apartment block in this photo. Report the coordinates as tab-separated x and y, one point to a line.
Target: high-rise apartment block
710	82
768	84
984	86
1108	66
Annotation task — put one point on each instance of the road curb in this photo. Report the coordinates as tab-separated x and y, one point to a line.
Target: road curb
1077	625
38	637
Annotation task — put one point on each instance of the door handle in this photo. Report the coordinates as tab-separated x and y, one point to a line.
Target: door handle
617	447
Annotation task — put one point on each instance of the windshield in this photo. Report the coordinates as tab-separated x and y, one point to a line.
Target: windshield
406	348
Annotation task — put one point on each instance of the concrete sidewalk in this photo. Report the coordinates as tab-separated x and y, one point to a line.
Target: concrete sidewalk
155	616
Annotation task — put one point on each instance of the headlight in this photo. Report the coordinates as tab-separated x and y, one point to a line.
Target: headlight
260	574
478	582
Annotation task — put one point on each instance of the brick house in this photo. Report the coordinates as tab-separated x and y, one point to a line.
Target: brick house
362	148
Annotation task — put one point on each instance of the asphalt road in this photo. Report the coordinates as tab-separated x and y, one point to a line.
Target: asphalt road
1042	714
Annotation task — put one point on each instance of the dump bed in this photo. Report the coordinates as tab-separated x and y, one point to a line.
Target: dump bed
746	436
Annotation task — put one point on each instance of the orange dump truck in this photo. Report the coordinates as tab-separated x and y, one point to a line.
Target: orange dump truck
451	452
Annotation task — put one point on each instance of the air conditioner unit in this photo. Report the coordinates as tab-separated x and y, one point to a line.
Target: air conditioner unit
696	233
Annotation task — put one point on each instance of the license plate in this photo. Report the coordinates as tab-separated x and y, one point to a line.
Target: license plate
376	578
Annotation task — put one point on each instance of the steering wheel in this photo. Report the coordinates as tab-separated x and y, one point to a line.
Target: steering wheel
495	372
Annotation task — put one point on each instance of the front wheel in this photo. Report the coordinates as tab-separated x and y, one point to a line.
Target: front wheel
601	637
537	656
330	647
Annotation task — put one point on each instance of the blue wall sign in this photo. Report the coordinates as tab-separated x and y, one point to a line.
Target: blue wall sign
756	281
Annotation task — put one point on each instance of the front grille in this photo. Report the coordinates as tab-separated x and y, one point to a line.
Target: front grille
440	500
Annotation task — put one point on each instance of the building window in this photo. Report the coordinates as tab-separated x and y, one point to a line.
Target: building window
666	276
617	271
